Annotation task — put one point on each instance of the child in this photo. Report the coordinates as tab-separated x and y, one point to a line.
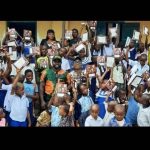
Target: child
53	107
119	120
94	120
44	119
101	96
19	106
65	63
2	118
66	119
109	113
11	83
41	63
143	118
77	73
133	105
85	101
31	91
30	66
118	73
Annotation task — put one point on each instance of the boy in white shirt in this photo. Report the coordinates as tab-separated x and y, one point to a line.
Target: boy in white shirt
94	120
19	105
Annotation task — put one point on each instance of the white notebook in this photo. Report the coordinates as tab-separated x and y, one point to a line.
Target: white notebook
131	79
127	41
136	35
13	56
137	80
114	88
110	62
145	31
113	32
21	62
79	47
134	69
85	37
11	44
68	34
101	39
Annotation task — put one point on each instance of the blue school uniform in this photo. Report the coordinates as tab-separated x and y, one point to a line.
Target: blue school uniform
30	88
132	111
113	122
100	99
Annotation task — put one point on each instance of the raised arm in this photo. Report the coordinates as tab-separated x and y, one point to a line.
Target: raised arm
42	85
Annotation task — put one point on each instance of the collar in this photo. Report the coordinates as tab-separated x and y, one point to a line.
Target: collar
132	49
91	118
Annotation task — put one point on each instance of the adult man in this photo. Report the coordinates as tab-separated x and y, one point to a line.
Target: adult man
49	78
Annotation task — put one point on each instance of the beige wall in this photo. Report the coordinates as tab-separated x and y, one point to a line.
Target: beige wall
43	26
2	29
147	24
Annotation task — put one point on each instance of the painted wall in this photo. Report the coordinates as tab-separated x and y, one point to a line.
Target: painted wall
2	29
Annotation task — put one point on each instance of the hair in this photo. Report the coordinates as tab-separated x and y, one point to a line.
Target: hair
27	71
146	97
118	91
50	31
66	108
74	29
77	58
120	106
18	85
95	105
144	56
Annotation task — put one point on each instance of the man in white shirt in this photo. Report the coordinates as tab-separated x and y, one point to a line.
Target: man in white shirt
94	120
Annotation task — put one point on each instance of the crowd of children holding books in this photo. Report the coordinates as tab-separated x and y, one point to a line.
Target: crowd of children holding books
82	81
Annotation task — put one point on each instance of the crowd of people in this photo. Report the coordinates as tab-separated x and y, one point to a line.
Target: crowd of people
63	83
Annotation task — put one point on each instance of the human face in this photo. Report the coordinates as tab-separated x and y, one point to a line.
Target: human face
85	91
94	112
82	53
51	36
20	91
131	45
43	50
74	34
57	64
119	114
29	76
122	97
142	61
62	52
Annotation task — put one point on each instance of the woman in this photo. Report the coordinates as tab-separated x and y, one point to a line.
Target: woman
51	43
